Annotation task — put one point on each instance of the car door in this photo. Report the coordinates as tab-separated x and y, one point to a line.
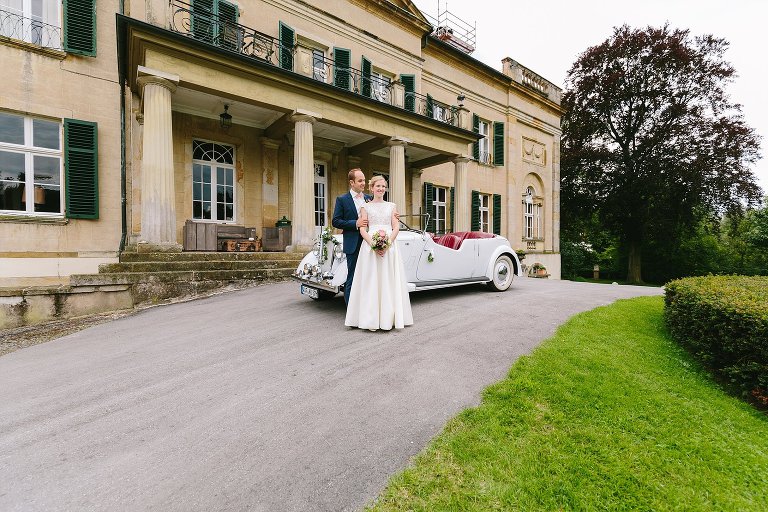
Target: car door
439	263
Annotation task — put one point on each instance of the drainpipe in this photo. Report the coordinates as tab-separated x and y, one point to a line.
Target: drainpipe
124	222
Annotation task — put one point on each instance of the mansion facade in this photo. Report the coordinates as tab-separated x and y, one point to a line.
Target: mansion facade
122	122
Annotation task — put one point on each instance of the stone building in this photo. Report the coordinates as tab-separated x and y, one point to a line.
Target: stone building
122	122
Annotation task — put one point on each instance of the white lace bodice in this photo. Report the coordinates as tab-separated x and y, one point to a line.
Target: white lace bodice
380	215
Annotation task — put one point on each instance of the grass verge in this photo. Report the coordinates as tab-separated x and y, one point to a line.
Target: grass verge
608	414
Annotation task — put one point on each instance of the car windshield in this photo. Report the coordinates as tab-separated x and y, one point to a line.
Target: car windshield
420	219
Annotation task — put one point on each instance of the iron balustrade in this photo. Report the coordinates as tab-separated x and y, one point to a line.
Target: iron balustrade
16	26
351	79
216	30
219	31
428	106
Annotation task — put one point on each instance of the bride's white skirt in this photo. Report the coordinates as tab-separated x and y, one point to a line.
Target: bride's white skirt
379	296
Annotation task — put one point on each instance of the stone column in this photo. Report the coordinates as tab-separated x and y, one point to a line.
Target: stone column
463	220
158	197
397	172
303	221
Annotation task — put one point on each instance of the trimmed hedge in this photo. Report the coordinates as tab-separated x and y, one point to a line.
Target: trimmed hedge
723	320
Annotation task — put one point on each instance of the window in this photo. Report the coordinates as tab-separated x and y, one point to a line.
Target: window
319	69
321	200
30	165
485	212
481	150
213	184
531	216
484	155
441	195
33	21
215	22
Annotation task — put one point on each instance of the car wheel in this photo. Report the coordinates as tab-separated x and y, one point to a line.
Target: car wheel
503	273
324	295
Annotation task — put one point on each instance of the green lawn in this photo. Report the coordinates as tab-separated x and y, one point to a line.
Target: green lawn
609	414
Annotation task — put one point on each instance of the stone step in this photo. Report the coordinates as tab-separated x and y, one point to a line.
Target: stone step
196	265
115	278
133	257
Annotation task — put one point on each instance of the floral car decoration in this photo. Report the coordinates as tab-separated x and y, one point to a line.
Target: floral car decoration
429	261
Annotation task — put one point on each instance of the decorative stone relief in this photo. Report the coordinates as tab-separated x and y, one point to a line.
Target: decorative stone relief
534	152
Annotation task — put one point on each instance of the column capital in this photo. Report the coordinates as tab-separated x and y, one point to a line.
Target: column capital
398	141
305	115
461	159
146	76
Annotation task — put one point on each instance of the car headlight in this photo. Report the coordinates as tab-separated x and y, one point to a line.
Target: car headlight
316	250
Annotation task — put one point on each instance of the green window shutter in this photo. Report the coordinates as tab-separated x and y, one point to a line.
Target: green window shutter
202	26
498	144
496	214
229	33
287	42
365	70
429	205
81	169
80	27
453	209
476	144
342	58
430	105
475	210
409	83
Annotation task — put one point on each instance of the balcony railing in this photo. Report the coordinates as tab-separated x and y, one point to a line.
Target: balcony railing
351	79
16	26
223	33
430	107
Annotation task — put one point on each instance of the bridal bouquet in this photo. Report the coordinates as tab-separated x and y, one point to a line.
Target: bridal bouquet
380	240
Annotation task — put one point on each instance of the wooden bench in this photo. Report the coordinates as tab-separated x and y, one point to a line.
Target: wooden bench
210	237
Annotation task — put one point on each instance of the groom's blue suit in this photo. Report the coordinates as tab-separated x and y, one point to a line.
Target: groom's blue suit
345	218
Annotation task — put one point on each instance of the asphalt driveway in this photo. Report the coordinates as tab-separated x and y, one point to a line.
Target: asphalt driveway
259	399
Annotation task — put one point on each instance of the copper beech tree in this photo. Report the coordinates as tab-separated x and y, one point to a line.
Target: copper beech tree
651	138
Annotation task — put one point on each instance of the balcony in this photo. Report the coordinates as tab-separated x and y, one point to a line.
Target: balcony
223	33
14	25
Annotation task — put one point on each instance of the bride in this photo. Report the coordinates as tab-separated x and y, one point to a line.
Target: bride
379	295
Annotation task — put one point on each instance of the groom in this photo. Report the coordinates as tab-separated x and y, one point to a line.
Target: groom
346	216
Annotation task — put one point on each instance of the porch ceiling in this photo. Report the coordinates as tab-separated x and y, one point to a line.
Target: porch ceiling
203	104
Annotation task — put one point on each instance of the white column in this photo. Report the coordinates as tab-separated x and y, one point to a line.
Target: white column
463	221
397	172
158	197
303	221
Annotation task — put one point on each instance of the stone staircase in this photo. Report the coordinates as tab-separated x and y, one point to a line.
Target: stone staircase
142	279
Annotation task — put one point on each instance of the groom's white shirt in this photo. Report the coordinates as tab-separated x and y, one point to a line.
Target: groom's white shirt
359	202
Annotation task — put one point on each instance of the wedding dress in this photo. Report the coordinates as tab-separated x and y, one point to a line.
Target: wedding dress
379	295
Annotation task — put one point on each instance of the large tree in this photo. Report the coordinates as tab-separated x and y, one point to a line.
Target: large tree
650	136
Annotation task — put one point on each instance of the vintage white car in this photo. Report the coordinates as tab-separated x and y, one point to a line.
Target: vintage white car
430	262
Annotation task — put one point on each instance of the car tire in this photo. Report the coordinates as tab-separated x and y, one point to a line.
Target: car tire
502	275
324	295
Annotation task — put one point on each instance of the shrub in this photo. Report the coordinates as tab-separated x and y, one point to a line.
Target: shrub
723	320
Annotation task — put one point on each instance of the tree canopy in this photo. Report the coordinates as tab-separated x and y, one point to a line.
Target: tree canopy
651	138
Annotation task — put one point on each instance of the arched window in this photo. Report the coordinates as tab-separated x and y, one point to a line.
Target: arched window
213	181
532	229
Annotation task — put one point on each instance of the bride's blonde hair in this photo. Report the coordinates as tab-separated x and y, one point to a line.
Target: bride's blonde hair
374	180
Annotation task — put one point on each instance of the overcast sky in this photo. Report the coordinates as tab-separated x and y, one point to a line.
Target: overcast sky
547	37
